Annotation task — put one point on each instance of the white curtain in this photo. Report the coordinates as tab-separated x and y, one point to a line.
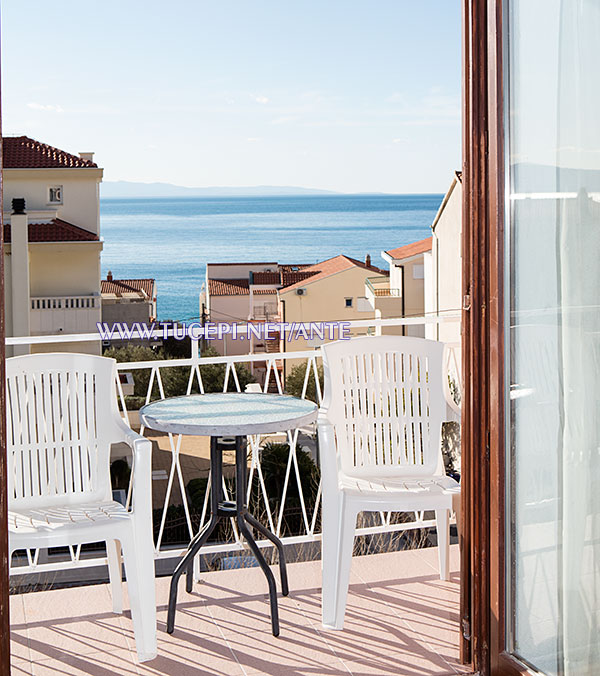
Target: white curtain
578	264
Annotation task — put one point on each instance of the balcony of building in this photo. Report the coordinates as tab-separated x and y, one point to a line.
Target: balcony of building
382	298
401	618
65	314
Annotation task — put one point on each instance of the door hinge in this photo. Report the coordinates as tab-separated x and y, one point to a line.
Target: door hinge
466	629
467	302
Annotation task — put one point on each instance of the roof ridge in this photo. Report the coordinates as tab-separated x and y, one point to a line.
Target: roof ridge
24	152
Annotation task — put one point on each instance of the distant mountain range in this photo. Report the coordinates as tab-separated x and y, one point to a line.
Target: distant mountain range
132	189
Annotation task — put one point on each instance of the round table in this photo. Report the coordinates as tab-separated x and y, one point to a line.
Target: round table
229	414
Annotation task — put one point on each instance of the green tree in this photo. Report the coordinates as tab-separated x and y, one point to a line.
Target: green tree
294	381
174	379
213	375
274	461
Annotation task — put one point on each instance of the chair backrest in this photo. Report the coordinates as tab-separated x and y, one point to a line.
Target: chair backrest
384	396
59	409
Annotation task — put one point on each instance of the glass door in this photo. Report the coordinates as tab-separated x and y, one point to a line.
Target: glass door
552	339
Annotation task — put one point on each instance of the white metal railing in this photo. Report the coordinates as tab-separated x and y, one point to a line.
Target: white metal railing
272	508
65	302
380	286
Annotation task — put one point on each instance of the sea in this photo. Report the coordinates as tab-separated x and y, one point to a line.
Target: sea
171	239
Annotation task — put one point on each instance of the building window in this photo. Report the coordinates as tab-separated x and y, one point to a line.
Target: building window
348	302
55	194
418	272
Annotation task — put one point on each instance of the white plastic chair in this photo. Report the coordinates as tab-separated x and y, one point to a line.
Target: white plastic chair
380	445
62	418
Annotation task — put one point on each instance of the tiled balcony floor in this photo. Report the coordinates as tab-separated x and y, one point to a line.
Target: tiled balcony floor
401	619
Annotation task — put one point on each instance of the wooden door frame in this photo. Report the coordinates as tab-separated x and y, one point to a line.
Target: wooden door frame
483	555
4	599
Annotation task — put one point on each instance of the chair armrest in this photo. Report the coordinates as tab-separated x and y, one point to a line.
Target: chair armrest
452	405
142	468
327	451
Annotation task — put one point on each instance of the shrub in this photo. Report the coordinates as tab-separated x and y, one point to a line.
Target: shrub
213	375
274	460
174	378
294	381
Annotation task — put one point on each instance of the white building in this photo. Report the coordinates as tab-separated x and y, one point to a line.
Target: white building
443	294
128	301
53	245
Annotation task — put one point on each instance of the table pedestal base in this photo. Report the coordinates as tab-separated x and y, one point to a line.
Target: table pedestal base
226	509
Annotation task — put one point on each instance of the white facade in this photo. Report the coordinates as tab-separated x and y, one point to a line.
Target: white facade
80	193
444	294
52	284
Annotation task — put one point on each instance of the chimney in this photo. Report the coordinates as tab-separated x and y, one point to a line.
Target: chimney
87	156
109	276
368	260
18	205
19	273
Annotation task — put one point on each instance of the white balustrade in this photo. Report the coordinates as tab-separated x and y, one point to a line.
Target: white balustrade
272	507
64	314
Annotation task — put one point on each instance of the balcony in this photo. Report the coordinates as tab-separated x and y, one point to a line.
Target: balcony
380	287
262	313
401	619
64	314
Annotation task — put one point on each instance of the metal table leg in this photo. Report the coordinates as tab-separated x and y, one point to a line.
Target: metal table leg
244	519
187	562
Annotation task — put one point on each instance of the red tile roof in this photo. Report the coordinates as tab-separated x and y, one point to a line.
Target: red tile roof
56	230
285	278
228	287
412	249
247	263
265	277
22	152
264	292
286	275
330	267
289	278
119	287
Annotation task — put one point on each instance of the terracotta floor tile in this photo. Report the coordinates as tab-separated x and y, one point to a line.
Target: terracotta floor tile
406	664
103	663
401	619
19	640
66	603
74	621
336	668
268	657
212	659
253	614
19	644
17	609
20	667
375	567
294	639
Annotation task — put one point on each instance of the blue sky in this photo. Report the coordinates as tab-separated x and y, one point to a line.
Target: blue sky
345	95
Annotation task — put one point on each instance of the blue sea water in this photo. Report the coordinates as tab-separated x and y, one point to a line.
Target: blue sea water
172	239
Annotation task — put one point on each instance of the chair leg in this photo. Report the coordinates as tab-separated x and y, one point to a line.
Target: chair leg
457	511
113	554
443	538
337	560
139	570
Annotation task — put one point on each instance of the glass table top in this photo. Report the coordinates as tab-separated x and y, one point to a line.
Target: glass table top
229	413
